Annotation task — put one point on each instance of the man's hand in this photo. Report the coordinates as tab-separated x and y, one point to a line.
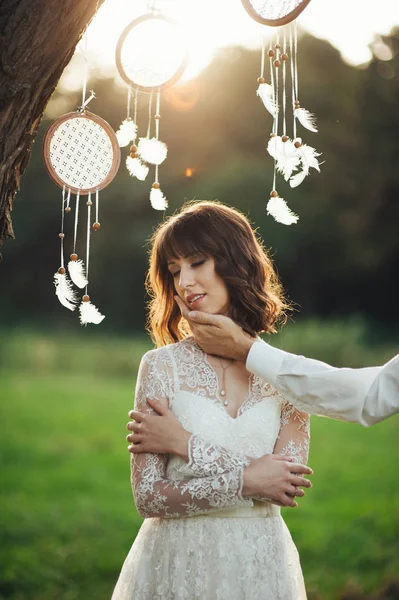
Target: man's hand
217	334
276	478
159	433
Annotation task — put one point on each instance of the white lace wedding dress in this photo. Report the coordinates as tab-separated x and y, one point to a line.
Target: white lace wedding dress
201	540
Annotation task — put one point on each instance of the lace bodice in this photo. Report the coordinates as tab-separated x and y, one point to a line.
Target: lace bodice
180	376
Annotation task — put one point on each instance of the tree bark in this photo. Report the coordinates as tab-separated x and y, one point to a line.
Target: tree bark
37	41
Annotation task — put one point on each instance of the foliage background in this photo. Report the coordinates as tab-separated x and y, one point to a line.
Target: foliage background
66	515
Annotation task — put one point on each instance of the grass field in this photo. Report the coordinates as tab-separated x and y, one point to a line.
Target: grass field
67	517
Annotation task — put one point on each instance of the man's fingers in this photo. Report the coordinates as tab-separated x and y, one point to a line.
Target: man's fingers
157	406
282	457
133	426
136	449
289	501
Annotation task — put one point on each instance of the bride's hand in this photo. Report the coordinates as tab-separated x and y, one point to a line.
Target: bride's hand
278	479
160	432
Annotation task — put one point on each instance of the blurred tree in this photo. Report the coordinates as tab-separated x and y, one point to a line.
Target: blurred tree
38	39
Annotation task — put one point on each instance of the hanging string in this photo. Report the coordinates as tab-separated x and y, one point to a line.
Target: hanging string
292	69
129	100
76	221
86	69
136	97
97	203
295	60
68	200
277	83
272	82
88	232
62	226
149	115
284	90
262	60
157	115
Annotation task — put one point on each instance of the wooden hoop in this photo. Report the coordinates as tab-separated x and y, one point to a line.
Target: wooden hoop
116	152
274	22
175	77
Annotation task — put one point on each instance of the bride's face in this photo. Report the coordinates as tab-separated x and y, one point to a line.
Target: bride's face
198	284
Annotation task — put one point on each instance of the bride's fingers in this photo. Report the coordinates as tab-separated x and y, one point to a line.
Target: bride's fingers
298	468
136	415
300	481
136	449
133	426
134	438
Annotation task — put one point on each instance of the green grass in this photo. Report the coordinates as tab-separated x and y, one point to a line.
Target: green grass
67	517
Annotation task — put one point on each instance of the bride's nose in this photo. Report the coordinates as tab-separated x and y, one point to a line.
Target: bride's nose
186	277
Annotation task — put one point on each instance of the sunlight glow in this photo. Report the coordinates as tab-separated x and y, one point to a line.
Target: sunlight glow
213	24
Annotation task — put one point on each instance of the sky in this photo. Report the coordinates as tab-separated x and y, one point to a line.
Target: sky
350	25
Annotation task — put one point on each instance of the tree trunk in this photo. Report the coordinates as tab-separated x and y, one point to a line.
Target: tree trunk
37	41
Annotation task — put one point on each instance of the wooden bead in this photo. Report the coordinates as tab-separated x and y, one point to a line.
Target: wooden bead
273	194
278	46
86	298
284	138
68	209
61	235
297	104
271	53
272	135
74	257
61	271
89	203
261	80
156	185
157	117
297	144
133	148
277	63
133	155
96	226
284	56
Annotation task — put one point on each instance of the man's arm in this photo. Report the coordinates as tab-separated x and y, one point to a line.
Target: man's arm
364	396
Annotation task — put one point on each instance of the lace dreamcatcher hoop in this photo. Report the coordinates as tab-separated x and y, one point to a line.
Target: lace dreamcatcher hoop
274	12
150	55
292	158
82	156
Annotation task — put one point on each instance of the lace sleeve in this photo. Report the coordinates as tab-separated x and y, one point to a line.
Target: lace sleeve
156	495
294	436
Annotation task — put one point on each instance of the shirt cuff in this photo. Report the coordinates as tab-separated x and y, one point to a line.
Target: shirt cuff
265	361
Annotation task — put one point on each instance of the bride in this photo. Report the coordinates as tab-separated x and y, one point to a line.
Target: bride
209	475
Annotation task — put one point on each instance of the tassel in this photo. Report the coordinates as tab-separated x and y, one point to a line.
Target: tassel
157	199
306	119
89	313
136	168
279	210
152	150
76	271
266	94
127	132
64	290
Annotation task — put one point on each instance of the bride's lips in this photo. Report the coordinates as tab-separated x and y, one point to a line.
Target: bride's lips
195	303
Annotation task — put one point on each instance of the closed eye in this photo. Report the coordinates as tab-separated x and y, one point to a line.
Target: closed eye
196	264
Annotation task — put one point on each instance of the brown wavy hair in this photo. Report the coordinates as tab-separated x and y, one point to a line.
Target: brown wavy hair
257	301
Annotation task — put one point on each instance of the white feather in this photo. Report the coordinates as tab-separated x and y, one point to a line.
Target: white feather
127	132
297	178
274	147
265	93
306	119
64	291
136	168
77	273
308	158
152	151
288	159
157	199
279	210
89	314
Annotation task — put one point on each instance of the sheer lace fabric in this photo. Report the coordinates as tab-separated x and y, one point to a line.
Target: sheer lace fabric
179	549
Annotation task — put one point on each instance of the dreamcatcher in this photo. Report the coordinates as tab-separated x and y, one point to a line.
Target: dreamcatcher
150	55
293	159
82	156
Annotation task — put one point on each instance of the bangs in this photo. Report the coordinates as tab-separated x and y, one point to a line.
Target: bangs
184	238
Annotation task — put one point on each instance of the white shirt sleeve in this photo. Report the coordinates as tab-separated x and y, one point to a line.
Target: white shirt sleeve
365	396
